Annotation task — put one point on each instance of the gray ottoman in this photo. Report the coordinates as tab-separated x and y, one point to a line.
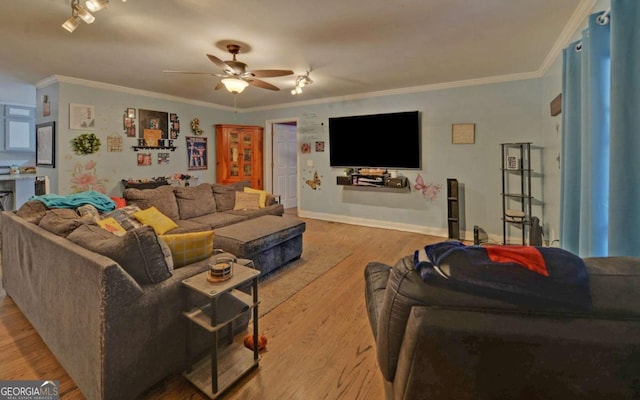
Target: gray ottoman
270	241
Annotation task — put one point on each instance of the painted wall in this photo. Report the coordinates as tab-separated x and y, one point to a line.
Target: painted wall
503	112
104	170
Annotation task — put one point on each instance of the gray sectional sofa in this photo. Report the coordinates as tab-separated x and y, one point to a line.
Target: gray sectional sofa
115	327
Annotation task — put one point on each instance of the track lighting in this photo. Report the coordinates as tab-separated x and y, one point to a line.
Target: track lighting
301	81
96	5
78	12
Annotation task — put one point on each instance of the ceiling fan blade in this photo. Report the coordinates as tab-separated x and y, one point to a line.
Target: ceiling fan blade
188	72
219	86
219	63
262	84
270	73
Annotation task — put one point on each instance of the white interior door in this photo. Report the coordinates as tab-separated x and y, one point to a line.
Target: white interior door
285	164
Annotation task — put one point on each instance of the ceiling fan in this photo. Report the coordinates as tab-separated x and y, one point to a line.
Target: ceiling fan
236	76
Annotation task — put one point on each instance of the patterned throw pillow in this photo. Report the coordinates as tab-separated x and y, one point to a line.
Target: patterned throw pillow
89	211
187	248
247	201
124	216
262	193
111	225
154	218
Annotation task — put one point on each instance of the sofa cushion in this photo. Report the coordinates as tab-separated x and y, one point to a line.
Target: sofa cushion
274	209
125	218
247	201
219	219
139	252
187	248
194	201
262	193
225	195
32	211
154	218
61	221
162	198
186	226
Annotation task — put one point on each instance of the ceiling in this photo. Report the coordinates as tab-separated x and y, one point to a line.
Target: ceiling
351	47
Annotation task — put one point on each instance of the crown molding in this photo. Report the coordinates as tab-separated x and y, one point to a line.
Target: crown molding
107	86
576	22
408	90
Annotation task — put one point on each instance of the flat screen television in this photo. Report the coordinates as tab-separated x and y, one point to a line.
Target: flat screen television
377	141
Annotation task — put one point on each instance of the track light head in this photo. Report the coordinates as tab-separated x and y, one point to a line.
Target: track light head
84	14
96	5
71	24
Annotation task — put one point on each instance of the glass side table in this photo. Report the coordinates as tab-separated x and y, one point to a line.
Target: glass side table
218	371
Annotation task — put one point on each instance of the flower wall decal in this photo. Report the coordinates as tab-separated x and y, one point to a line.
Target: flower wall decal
85	177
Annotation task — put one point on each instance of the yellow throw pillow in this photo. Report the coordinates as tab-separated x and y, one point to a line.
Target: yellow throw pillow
154	218
187	248
263	195
247	201
111	225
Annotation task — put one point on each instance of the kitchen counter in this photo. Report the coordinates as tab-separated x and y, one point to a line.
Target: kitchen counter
23	187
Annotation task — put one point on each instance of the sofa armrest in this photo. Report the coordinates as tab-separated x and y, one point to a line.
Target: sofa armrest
376	276
465	354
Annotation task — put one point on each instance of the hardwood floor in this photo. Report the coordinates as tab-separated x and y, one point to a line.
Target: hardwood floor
320	345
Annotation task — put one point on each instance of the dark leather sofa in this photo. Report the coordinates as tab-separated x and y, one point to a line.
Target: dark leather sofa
436	343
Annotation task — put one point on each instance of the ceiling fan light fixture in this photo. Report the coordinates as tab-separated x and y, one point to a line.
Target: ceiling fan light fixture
71	24
96	5
235	85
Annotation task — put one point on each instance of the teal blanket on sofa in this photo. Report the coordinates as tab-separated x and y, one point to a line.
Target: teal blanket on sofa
100	201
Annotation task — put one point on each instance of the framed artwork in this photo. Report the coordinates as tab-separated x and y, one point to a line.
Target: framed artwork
45	144
131	113
156	121
196	152
463	133
81	116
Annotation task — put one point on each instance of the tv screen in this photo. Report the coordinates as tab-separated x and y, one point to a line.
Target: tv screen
380	141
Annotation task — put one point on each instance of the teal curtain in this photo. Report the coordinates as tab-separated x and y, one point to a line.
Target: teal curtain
585	148
624	189
600	173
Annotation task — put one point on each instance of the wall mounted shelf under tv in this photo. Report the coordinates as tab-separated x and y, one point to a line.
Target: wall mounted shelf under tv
390	141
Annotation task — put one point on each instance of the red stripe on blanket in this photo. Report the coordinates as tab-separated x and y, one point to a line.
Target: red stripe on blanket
528	257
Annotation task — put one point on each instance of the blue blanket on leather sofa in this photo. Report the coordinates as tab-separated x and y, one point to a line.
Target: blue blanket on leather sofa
531	276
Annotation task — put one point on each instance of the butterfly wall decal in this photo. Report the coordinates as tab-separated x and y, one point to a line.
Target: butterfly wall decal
429	191
315	183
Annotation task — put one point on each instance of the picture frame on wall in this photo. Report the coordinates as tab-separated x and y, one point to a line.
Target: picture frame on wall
463	133
156	121
45	144
81	116
196	152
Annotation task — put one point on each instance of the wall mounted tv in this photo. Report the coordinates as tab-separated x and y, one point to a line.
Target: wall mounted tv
381	141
